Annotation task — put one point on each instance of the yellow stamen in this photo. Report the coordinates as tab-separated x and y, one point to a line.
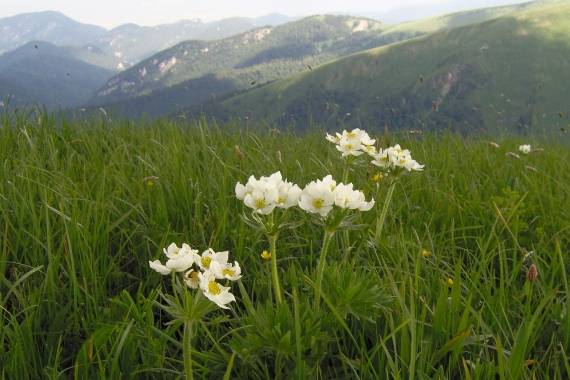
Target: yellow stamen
228	272
206	261
214	288
260	203
318	203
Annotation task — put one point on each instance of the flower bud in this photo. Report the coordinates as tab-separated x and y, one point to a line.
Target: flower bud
532	273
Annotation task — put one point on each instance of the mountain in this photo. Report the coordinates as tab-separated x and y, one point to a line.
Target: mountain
429	9
510	73
42	73
131	43
52	27
197	70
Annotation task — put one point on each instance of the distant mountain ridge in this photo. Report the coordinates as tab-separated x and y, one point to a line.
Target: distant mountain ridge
42	73
506	74
48	26
197	70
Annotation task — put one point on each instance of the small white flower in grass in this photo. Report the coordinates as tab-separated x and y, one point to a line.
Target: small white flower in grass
228	271
318	196
179	259
348	198
218	294
353	143
526	149
192	279
396	157
156	265
208	256
263	198
334	139
267	193
349	147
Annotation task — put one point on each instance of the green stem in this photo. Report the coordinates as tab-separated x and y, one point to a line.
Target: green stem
321	266
274	273
380	221
187	348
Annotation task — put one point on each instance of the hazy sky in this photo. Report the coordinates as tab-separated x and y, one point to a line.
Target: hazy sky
111	13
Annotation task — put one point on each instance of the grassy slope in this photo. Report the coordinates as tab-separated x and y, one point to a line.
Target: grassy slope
78	225
258	56
505	73
221	74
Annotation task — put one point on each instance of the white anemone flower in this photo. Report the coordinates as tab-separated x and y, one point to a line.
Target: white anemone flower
180	259
267	193
526	149
349	147
348	198
353	143
228	271
157	266
218	294
192	279
318	196
396	157
208	256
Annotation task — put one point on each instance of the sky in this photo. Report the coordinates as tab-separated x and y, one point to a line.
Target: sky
110	13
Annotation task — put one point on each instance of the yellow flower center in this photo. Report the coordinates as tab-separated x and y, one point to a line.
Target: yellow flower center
318	203
349	146
260	203
281	200
351	135
206	261
214	288
229	272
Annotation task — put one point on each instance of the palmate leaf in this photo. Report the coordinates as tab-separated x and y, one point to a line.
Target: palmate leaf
357	293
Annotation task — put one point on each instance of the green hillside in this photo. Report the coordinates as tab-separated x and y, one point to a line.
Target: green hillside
221	68
41	73
259	56
511	72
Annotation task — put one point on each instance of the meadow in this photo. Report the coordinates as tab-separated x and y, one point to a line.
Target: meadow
443	291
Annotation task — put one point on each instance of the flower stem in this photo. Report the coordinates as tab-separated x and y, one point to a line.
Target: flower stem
380	221
187	348
321	266
274	273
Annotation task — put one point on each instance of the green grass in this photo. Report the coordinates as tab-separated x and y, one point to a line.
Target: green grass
78	224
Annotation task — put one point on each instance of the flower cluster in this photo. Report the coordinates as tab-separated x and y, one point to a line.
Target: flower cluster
265	194
320	196
395	157
201	271
353	143
526	149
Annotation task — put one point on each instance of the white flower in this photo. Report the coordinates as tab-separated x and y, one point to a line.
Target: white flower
349	147
318	196
208	256
215	292
192	279
348	198
228	271
396	157
353	143
267	193
526	149
157	266
180	259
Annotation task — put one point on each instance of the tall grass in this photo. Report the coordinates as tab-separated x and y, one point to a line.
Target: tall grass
442	293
